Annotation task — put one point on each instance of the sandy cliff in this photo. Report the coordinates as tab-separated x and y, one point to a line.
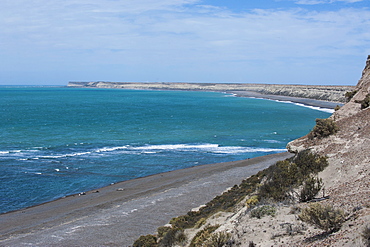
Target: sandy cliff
327	93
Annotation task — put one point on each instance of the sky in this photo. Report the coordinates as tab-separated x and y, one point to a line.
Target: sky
315	42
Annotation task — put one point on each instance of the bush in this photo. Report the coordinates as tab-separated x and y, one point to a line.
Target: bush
283	177
280	180
366	102
349	95
252	201
161	231
200	222
311	186
202	236
172	237
309	162
146	241
323	128
324	217
262	211
218	239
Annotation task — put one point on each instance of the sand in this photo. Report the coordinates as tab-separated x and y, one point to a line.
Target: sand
118	214
304	101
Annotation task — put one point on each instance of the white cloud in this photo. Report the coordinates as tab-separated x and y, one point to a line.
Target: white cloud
176	40
313	2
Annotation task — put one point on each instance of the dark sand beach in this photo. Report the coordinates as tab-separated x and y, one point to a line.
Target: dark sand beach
118	214
304	101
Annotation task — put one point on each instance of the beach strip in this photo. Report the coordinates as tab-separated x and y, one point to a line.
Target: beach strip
118	214
304	101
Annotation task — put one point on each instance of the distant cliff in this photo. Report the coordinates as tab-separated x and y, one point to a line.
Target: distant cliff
327	93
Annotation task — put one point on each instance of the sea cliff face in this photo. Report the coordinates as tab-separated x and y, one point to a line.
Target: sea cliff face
327	93
346	188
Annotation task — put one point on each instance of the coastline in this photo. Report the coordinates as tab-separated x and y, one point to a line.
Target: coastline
118	214
304	101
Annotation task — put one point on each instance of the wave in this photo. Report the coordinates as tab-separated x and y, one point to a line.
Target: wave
23	155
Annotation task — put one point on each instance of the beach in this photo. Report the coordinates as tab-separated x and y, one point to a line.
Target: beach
304	101
118	214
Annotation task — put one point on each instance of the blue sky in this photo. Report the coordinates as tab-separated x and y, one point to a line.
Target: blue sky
322	42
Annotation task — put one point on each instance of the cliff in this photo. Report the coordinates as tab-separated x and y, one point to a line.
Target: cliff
326	93
346	187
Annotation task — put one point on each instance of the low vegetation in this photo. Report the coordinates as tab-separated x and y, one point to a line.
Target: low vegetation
202	236
218	239
365	103
279	182
311	186
262	211
349	95
324	217
323	128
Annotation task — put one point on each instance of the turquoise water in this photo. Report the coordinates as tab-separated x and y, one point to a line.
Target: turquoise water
60	141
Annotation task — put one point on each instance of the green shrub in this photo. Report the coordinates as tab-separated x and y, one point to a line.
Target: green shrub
172	237
283	177
366	102
324	217
309	162
161	231
337	107
263	211
202	236
280	180
323	128
200	222
218	239
146	241
349	95
311	186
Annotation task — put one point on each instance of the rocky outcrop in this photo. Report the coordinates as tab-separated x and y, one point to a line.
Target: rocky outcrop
327	93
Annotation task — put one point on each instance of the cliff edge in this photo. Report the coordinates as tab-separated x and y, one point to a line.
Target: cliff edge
256	221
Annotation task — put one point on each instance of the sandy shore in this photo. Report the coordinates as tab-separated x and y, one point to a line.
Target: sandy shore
118	214
304	101
309	102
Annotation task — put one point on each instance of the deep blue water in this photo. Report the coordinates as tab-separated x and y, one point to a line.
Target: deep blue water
60	141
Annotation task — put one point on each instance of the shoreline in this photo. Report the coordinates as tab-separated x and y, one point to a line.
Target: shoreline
281	98
118	214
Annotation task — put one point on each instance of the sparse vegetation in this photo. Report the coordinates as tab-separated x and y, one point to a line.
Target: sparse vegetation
277	182
146	241
324	217
171	237
202	236
323	128
263	211
366	102
283	177
311	186
349	95
218	239
252	201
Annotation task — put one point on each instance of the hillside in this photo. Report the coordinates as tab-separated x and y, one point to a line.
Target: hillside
228	219
327	93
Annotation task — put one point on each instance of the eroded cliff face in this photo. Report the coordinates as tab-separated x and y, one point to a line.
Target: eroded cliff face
326	93
347	177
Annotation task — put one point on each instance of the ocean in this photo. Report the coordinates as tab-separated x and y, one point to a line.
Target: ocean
58	141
